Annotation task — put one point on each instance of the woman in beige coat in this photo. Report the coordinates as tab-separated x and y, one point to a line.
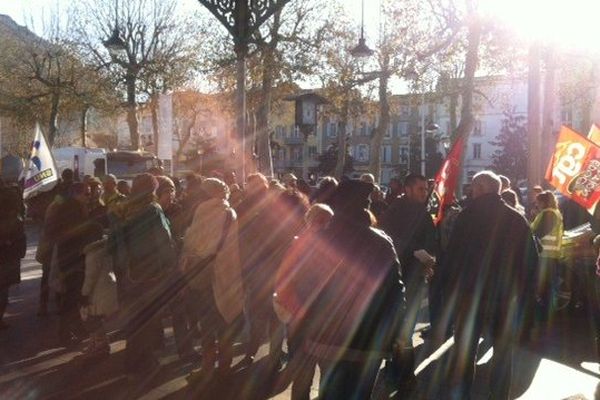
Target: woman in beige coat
210	259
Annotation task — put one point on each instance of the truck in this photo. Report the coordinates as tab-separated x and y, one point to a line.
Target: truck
124	164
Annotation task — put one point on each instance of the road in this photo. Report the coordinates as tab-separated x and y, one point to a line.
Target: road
560	365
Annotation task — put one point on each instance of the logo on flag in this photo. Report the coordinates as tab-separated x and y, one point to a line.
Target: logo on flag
41	174
574	169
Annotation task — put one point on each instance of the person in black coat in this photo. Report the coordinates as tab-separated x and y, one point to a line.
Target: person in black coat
490	265
354	321
73	232
12	243
411	227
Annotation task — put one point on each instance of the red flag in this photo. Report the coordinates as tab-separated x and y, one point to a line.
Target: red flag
446	180
574	169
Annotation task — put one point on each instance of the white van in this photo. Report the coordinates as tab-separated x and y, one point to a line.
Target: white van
83	161
124	164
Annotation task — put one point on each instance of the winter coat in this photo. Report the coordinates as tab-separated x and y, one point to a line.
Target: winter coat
13	242
200	243
359	301
411	228
100	285
141	243
72	232
491	260
49	231
266	239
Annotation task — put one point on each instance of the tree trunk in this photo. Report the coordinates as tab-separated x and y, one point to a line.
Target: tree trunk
467	120
265	161
53	123
185	134
533	121
382	127
83	125
132	121
453	112
342	142
245	155
154	113
550	95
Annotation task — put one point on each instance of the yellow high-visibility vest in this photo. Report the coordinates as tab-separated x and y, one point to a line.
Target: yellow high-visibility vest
552	241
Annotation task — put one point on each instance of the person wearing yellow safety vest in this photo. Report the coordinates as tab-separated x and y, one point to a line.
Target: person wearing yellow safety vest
548	228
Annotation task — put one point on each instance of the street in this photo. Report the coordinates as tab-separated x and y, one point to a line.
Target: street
560	365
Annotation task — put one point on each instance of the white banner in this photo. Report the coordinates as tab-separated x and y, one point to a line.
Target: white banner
164	147
40	174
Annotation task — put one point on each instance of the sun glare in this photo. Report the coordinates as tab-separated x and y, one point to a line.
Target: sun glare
569	24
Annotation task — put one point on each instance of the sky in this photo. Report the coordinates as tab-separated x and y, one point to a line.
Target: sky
23	11
569	24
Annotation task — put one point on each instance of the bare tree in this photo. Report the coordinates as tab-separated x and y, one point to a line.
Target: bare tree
45	77
158	47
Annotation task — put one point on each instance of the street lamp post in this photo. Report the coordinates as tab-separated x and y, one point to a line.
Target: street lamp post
242	18
423	153
362	50
430	128
117	48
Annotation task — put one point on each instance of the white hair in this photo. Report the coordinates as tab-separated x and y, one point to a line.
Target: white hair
215	188
488	181
369	178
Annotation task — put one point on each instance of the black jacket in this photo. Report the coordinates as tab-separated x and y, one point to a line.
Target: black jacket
411	228
492	259
361	305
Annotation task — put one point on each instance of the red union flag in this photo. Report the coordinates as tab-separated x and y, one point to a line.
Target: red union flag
574	169
446	180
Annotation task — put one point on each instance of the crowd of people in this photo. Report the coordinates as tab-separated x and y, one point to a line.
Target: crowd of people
337	273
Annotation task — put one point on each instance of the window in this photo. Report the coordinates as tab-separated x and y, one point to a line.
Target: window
478	128
403	155
324	127
297	153
332	129
476	151
362	153
404	111
403	128
388	131
279	131
312	152
386	154
295	131
363	129
280	155
566	117
396	128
